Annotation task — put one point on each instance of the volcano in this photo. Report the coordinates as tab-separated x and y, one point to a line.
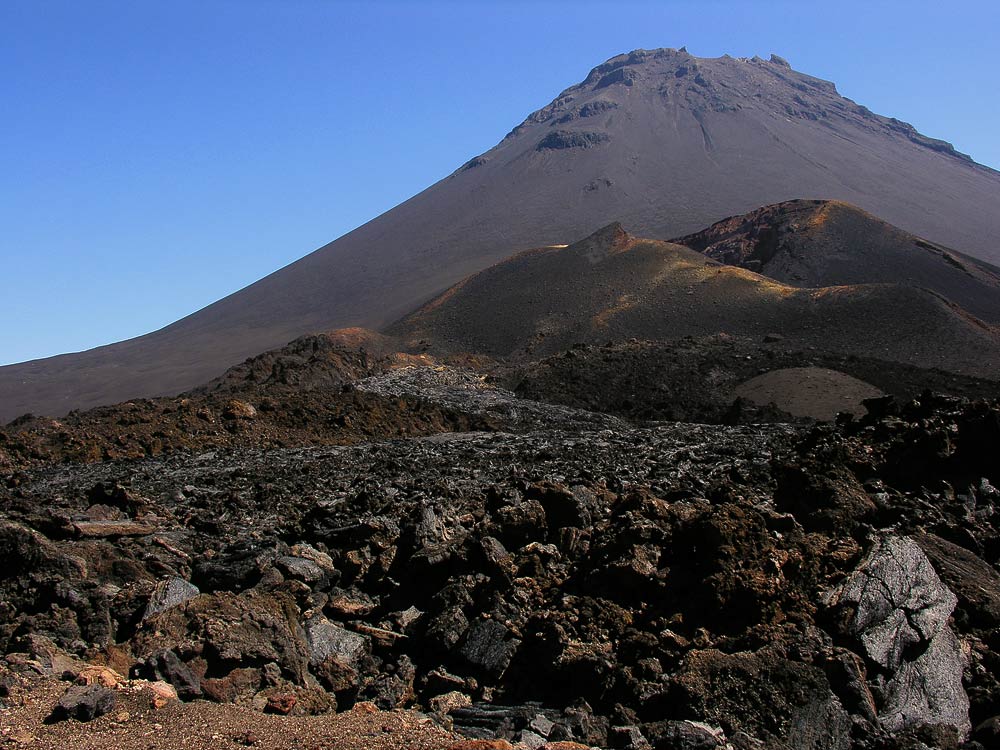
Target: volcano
612	286
663	141
829	243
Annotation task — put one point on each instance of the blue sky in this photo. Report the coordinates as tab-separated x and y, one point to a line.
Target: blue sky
156	156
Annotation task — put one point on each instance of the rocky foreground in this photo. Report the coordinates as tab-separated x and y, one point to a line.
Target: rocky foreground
671	586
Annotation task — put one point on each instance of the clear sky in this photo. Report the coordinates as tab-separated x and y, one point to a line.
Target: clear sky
156	156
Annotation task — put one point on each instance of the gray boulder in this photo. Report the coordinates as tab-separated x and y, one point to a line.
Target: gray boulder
900	617
337	656
326	640
928	690
169	593
300	568
899	601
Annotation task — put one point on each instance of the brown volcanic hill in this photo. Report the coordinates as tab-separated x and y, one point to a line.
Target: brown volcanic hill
326	360
298	395
662	140
811	243
612	286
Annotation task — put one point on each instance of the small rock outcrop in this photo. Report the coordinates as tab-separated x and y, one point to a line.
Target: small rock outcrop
622	76
563	139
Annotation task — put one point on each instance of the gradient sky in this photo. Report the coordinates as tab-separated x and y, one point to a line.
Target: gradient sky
156	156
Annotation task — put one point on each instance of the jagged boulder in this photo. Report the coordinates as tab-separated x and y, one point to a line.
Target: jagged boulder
896	607
226	631
236	409
167	667
83	703
169	593
337	655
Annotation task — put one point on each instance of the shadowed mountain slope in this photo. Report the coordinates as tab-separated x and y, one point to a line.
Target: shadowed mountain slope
696	379
825	243
661	140
612	286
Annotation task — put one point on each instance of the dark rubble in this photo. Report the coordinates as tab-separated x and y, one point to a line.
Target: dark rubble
674	586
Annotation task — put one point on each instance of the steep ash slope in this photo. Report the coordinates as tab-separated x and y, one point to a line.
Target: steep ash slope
829	243
662	140
612	286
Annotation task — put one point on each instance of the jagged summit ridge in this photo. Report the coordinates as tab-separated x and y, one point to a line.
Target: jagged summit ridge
721	84
678	57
